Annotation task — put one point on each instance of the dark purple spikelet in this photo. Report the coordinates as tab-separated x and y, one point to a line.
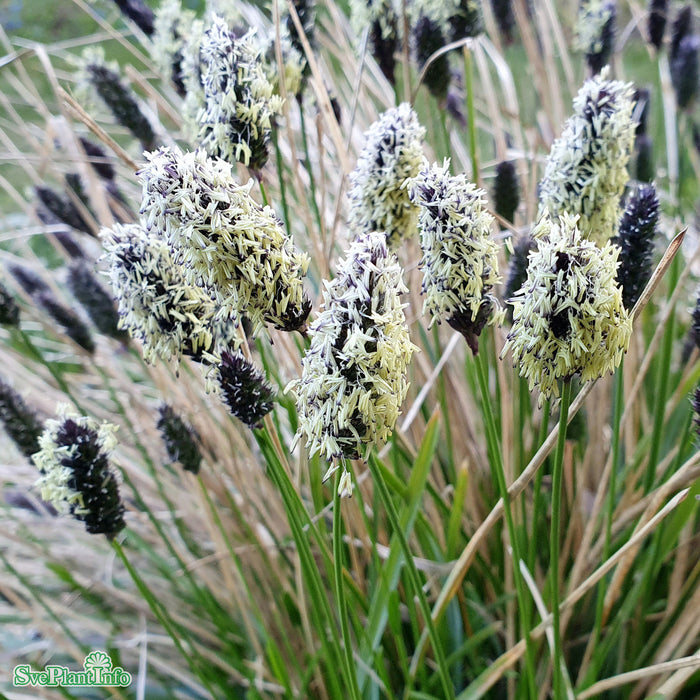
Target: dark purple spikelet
503	12
9	311
656	22
685	70
644	168
139	13
517	271
682	27
642	99
21	423
61	208
244	389
506	190
181	440
695	401
77	476
636	238
68	320
29	280
384	48
121	102
427	39
467	21
98	159
695	328
598	59
94	298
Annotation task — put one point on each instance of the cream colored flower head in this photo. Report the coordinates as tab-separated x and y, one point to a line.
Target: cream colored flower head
156	304
460	259
593	16
568	318
586	170
77	476
229	245
172	27
293	65
354	373
239	103
393	152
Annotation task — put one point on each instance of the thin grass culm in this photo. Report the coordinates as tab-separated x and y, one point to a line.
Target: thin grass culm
349	350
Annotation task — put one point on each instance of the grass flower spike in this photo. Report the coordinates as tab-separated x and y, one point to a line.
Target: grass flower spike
383	21
236	250
77	476
568	318
586	170
595	31
460	265
9	311
393	152
181	440
354	374
239	102
21	423
156	304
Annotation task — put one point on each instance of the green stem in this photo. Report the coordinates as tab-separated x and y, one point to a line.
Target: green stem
161	616
263	193
413	577
280	178
340	591
307	163
499	472
537	489
557	473
471	113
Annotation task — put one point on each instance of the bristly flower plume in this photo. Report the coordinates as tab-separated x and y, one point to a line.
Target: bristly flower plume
503	12
460	263
636	238
55	207
568	318
595	29
77	476
586	169
244	389
236	250
139	13
238	98
685	71
354	373
181	440
393	153
428	37
465	19
306	11
156	305
172	23
517	271
656	22
383	21
21	422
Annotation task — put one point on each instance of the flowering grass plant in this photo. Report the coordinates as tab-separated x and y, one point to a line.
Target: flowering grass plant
353	352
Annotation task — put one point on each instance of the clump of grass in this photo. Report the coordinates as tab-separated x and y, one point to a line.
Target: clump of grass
277	341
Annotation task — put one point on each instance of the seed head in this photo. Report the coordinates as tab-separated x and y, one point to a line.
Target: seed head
695	402
383	21
105	80
596	31
306	11
568	318
354	373
77	476
70	323
636	238
695	329
228	244
21	423
9	311
682	28
656	22
465	19
460	265
517	270
644	167
57	207
429	37
503	12
244	389
98	159
156	305
685	70
238	98
392	154
97	302
586	170
139	13
181	440
506	190
293	66
172	23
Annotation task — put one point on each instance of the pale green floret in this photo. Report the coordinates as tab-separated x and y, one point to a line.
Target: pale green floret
239	103
354	373
172	25
568	318
460	259
586	170
156	304
293	66
592	17
392	154
51	458
226	243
